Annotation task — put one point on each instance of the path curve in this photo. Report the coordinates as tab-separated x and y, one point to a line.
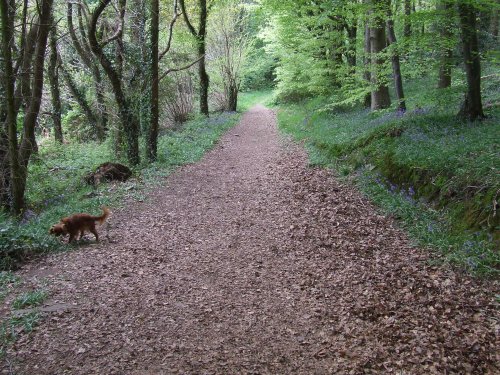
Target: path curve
250	262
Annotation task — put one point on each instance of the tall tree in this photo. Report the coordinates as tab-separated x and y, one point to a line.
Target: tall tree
472	107
200	36
407	22
19	154
380	92
366	63
445	8
128	117
396	67
53	74
97	117
154	104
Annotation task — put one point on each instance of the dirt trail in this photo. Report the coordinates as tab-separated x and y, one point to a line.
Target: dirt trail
249	262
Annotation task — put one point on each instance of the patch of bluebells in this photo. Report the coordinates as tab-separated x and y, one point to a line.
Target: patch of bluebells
53	200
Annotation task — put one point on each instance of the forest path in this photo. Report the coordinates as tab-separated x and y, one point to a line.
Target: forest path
250	262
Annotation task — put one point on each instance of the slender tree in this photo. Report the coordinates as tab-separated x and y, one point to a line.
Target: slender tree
53	74
154	104
127	116
445	8
472	107
19	154
366	62
97	117
407	22
380	93
396	67
200	36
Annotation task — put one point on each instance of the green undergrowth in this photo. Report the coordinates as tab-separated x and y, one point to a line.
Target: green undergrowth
249	99
437	174
56	188
11	327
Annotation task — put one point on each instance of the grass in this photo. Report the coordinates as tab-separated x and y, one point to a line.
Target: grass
13	326
249	99
7	281
30	299
437	174
55	186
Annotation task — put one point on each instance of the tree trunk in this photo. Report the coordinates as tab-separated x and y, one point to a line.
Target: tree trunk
152	145
494	23
407	23
380	93
396	68
200	37
351	52
99	120
78	96
204	78
127	116
53	74
28	143
366	62
15	180
472	107
232	96
444	76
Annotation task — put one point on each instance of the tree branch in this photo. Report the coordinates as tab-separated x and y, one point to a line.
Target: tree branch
168	71
170	32
186	19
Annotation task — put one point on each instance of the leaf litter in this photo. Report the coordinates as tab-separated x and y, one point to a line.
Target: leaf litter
251	262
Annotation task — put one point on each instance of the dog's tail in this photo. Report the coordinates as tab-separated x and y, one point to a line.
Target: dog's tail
105	213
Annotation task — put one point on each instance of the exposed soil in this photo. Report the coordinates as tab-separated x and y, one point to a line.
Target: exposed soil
251	262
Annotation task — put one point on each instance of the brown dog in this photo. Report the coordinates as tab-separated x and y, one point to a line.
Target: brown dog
79	223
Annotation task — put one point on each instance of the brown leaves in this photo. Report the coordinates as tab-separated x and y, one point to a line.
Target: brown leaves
251	262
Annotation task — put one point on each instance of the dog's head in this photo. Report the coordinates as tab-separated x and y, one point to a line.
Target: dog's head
58	229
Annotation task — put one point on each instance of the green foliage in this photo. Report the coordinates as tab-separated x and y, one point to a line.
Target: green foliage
7	281
11	327
437	174
30	299
258	70
249	99
76	127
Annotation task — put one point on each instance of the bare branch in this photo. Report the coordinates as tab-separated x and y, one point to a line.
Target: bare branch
170	32
179	69
186	19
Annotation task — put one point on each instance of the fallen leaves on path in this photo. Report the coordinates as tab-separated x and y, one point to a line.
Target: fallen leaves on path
250	262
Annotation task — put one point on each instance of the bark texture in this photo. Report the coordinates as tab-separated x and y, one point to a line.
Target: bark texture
152	146
55	94
396	67
380	92
200	36
445	8
472	107
128	118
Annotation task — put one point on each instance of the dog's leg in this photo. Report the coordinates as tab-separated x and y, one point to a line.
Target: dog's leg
93	230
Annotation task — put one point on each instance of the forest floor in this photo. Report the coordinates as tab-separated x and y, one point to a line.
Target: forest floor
251	262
